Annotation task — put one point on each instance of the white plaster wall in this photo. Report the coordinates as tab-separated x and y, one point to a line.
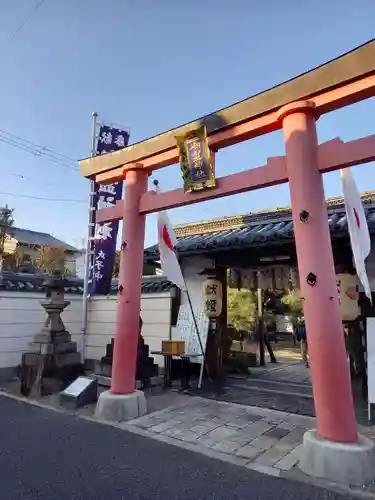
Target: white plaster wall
156	316
22	316
80	266
191	267
70	264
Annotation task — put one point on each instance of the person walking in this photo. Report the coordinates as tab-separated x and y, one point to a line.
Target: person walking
302	339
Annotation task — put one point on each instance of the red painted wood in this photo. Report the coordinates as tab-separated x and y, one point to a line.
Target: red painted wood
130	278
324	103
333	400
332	155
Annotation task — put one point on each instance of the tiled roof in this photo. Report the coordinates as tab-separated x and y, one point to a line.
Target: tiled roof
156	284
23	282
28	237
253	229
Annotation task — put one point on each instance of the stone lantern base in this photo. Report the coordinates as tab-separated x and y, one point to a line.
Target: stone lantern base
53	361
42	375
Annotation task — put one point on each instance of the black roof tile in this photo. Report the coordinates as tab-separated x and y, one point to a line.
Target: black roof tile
24	282
253	229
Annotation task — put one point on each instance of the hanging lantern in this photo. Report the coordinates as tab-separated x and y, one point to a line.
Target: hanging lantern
347	288
212	297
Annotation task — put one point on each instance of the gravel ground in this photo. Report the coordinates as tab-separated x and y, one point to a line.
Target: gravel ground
46	455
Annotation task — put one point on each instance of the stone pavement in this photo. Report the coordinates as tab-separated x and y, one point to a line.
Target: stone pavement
260	439
284	386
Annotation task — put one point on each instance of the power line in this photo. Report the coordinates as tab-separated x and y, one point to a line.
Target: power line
37	145
42	198
25	178
37	150
25	21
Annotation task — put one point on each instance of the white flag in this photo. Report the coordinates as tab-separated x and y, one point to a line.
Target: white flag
358	229
168	259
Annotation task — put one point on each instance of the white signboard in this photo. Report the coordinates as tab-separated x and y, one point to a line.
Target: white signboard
370	341
78	386
186	330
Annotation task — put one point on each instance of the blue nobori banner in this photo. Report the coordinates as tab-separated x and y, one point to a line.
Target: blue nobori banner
104	236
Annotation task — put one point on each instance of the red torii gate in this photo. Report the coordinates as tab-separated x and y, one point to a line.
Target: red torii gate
293	106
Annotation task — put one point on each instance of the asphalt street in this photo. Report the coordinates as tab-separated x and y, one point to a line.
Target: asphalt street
46	455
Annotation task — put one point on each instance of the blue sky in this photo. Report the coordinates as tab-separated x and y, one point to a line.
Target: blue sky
152	66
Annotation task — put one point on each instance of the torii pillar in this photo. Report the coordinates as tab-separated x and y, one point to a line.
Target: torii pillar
123	401
334	449
329	368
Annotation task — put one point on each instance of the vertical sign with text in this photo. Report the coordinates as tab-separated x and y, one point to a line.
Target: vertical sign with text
104	236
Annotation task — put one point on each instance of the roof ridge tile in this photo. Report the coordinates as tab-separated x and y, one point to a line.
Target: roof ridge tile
236	221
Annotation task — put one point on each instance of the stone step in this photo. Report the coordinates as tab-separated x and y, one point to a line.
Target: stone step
275	387
104	381
286	402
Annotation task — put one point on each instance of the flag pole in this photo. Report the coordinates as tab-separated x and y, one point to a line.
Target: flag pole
88	252
202	368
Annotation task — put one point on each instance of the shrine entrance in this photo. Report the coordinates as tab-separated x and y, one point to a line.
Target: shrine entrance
251	251
294	107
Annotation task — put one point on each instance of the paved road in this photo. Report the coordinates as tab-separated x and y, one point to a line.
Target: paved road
46	455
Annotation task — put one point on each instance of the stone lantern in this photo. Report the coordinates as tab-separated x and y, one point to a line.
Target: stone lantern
53	355
53	332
